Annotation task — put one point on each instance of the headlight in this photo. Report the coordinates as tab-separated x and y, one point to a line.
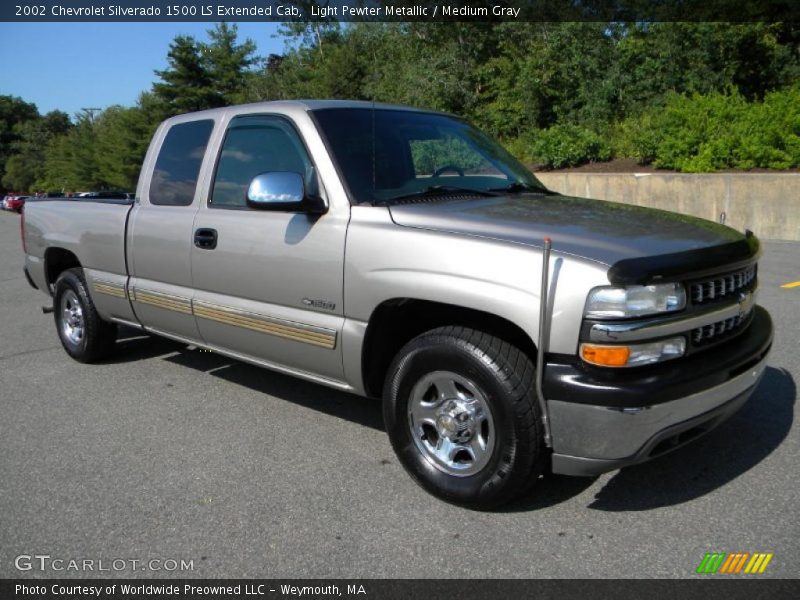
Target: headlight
609	302
633	355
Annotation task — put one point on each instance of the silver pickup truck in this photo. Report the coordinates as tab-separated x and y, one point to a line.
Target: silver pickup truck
402	254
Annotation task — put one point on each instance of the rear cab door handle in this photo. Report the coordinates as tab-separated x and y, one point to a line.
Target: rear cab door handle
205	238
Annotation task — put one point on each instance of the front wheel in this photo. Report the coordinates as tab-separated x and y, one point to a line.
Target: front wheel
461	413
85	336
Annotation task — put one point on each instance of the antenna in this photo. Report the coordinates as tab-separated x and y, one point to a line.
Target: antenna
544	332
374	174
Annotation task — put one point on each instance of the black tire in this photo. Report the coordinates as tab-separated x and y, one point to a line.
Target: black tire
505	377
98	336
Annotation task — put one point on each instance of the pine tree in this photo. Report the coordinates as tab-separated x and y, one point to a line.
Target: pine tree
186	84
227	63
205	75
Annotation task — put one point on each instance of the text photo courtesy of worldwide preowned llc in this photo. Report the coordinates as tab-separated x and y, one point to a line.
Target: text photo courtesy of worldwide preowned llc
345	299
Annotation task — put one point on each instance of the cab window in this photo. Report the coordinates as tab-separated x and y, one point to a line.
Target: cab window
255	145
178	165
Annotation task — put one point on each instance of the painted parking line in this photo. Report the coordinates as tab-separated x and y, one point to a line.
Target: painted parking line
793	284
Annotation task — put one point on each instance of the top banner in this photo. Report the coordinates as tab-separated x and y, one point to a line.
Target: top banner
399	10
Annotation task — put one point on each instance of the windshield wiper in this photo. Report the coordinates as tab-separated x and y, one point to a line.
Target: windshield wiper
440	190
517	187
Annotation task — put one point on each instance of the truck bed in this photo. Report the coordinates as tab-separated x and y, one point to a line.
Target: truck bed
126	201
92	229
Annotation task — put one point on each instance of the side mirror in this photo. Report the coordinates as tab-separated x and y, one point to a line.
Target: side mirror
282	191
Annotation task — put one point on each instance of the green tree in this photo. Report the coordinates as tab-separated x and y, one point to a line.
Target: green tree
25	168
71	159
186	84
658	59
227	63
122	137
205	75
558	93
13	112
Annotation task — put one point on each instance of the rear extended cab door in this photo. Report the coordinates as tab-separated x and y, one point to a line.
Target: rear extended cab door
160	230
270	287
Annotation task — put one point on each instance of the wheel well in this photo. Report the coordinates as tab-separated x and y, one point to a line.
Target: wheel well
396	322
56	261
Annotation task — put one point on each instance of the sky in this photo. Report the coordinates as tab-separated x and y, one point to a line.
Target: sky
70	66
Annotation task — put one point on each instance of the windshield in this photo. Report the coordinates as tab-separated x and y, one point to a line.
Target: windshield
417	153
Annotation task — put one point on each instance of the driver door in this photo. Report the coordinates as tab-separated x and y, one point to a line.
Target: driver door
270	286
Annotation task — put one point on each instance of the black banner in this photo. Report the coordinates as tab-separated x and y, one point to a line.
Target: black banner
399	10
456	589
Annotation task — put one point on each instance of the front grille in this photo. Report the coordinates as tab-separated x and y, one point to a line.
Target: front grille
715	331
722	286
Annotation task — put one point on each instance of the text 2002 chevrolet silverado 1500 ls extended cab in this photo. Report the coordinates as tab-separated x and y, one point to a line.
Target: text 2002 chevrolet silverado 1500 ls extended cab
396	252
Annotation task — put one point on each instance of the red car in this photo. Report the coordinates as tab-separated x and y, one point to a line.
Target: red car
16	203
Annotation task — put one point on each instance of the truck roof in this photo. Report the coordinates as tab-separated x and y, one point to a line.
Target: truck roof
290	106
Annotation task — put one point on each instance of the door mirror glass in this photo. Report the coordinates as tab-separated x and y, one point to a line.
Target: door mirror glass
276	191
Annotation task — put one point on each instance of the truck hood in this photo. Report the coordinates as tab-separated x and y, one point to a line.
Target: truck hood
606	232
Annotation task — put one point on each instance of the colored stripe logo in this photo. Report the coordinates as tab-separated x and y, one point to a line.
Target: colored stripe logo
735	562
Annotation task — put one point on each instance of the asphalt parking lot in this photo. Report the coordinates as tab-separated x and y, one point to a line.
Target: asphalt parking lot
170	453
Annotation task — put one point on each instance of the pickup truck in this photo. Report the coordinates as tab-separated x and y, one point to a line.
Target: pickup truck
402	254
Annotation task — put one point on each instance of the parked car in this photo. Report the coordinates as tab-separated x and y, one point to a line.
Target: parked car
109	195
6	199
402	254
16	203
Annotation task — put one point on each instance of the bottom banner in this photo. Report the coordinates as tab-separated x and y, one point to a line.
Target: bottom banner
457	589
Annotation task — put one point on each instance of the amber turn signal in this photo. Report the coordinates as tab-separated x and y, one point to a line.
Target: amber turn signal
605	356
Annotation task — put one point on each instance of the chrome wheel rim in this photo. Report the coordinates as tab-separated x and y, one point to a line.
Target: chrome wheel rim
451	423
72	325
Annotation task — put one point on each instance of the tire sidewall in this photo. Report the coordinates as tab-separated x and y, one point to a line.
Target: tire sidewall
460	357
68	280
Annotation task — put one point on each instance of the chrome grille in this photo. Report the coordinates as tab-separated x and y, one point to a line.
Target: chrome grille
722	286
713	331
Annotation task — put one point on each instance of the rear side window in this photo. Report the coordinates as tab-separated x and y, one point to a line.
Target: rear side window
178	164
255	145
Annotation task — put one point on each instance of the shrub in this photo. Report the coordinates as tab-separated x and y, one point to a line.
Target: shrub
717	131
562	146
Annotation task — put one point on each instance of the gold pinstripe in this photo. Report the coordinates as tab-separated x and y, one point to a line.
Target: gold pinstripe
166	301
110	289
221	314
306	334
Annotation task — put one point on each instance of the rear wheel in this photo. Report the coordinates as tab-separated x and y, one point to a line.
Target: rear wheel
461	413
85	336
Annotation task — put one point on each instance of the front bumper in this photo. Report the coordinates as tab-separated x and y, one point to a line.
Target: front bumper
601	424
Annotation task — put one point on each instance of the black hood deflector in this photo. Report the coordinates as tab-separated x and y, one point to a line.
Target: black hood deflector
687	265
